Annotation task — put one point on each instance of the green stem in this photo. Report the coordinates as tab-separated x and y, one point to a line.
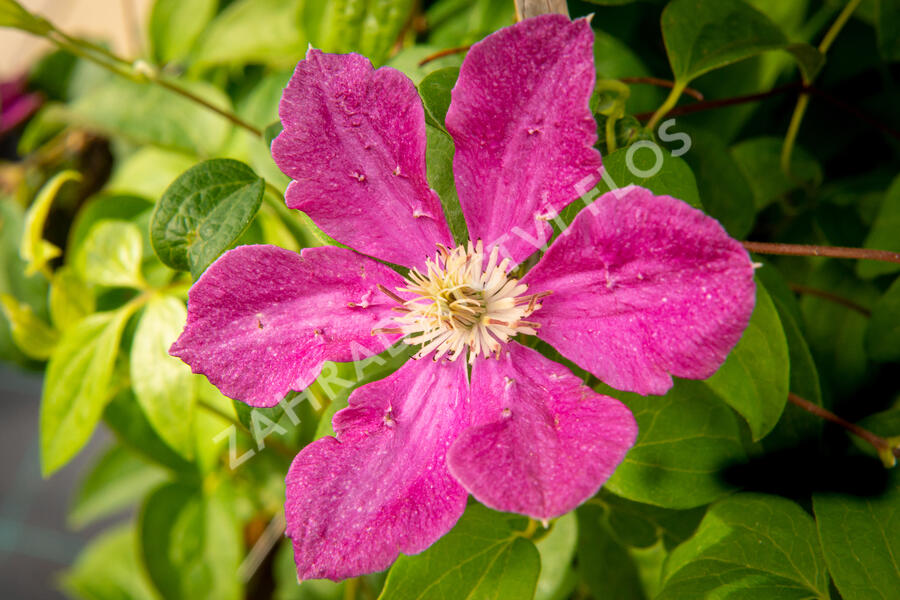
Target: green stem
787	149
668	105
118	65
610	135
274	444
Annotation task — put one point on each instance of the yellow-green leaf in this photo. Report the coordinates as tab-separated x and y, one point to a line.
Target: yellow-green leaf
34	249
111	255
33	336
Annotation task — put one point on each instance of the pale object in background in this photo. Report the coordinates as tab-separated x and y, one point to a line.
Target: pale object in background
117	22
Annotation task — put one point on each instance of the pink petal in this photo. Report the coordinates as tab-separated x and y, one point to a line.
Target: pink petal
382	487
523	131
643	287
542	443
354	144
261	319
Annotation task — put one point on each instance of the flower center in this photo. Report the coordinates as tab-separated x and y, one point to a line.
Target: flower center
465	301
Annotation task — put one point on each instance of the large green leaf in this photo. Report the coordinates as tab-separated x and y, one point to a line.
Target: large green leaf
70	298
726	193
754	379
749	546
439	162
435	92
684	439
702	35
883	331
759	161
639	525
264	31
604	565
163	384
203	212
649	166
125	418
861	539
111	255
76	387
887	28
175	25
557	549
369	27
151	114
118	479
484	556
883	235
109	569
190	544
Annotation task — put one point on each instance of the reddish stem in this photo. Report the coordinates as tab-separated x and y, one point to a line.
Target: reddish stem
810	291
442	54
661	83
830	251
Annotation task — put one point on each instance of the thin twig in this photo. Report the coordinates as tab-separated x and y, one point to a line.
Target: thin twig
443	53
811	291
274	444
830	251
889	452
661	83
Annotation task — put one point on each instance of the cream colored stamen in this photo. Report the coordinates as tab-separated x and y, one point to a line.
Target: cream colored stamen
464	303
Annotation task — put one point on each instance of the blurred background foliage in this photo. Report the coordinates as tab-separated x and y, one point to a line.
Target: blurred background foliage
94	278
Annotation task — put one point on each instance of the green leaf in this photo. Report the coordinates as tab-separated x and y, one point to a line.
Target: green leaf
125	418
191	544
439	163
264	31
32	335
13	15
754	378
684	439
749	546
726	193
104	208
614	59
175	25
203	212
70	298
117	480
483	556
435	92
649	166
604	564
883	235
150	114
370	28
702	35
639	525
407	61
557	549
109	569
760	161
111	255
454	23
76	387
34	249
887	28
163	384
148	172
883	330
808	58
861	539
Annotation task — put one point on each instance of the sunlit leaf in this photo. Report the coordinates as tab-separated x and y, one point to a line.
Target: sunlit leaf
163	384
111	255
32	335
109	569
34	249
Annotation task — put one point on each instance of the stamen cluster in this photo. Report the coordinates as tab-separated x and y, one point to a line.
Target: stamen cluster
464	302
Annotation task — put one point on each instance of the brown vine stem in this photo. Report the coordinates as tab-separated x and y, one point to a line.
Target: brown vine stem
888	450
811	291
443	53
829	251
662	83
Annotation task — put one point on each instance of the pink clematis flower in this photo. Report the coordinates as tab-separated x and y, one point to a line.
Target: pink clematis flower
637	289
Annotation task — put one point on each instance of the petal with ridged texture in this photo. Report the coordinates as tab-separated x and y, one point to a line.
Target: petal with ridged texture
262	319
644	287
523	130
542	442
354	145
380	487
